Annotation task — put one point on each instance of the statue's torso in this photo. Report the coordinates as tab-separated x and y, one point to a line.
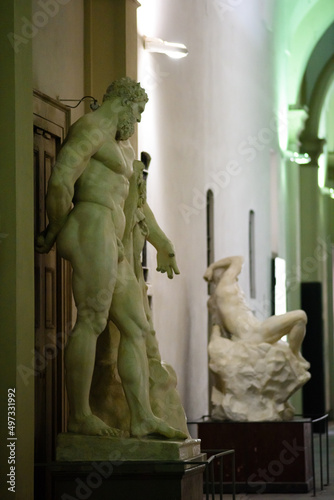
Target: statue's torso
236	316
105	180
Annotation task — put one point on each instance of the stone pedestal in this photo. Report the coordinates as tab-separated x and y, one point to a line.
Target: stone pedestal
127	481
271	457
101	468
79	448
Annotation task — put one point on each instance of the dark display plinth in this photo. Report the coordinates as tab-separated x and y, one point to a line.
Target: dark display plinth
271	457
127	480
114	468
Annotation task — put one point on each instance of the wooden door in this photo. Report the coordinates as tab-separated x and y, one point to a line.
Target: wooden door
52	324
53	299
46	320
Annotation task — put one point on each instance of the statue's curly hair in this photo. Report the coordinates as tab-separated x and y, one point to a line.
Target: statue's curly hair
127	89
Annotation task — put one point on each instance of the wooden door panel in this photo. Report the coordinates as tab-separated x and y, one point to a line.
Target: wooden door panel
46	303
53	299
50	299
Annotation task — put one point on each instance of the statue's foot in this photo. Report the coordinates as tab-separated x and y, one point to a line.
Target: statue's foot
154	426
305	364
91	425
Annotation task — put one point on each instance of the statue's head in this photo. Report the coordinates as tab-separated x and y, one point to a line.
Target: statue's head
127	89
132	99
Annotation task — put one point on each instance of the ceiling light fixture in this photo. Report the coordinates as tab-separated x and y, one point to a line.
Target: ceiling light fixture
173	50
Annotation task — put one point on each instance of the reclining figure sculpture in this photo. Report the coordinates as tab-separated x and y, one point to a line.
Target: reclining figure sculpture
255	371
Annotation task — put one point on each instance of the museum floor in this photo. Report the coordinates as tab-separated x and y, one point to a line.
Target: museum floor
326	494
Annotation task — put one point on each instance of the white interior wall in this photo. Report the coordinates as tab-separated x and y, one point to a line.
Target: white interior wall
211	122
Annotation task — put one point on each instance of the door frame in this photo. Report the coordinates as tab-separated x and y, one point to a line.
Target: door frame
55	118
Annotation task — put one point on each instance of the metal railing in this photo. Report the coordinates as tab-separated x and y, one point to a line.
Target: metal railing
210	473
324	419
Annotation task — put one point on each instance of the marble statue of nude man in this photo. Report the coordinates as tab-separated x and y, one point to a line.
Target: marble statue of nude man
255	373
92	172
231	312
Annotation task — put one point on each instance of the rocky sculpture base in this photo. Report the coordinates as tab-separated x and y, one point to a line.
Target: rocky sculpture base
254	381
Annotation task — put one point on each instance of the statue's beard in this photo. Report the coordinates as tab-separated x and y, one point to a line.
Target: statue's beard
125	129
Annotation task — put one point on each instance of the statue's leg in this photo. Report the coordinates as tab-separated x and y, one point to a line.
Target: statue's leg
128	313
292	323
91	247
297	332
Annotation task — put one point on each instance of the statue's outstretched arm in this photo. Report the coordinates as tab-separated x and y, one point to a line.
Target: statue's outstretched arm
166	262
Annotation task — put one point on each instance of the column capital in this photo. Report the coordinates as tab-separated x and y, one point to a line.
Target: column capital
313	146
297	117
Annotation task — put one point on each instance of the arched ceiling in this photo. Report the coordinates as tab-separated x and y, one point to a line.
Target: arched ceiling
307	21
309	35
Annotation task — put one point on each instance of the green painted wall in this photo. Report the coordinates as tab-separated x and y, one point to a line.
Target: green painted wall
16	244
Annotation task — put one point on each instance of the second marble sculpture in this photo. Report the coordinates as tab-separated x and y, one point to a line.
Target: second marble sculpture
255	371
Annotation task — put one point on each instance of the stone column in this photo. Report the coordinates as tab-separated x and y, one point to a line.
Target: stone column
16	246
296	121
310	210
110	45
